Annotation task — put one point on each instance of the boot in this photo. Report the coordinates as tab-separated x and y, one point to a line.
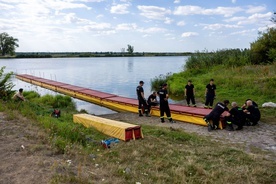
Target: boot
239	128
147	113
229	127
140	113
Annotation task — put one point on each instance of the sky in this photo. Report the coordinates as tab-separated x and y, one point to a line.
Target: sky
147	25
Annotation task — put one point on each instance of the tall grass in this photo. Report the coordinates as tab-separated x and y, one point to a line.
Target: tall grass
227	57
235	77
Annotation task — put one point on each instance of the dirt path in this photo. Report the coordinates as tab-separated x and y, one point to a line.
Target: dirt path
262	136
25	156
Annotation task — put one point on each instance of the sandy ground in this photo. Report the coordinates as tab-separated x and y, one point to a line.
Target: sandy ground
26	157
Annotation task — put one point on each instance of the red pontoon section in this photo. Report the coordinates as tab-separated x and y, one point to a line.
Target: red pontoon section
179	112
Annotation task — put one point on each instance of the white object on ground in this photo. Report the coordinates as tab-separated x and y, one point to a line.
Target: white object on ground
269	104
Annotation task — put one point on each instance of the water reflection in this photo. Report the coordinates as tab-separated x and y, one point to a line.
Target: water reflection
130	64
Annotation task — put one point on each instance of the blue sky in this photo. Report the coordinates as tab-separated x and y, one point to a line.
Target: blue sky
148	25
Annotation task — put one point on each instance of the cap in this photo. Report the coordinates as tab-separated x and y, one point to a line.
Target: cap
189	80
141	82
165	84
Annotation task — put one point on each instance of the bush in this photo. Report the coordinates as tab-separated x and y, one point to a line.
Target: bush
6	85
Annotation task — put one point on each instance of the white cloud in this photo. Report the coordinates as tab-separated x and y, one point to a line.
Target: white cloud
189	34
244	32
120	9
255	9
257	19
95	26
125	27
154	12
168	20
181	23
5	6
177	1
234	1
219	26
235	19
153	30
197	10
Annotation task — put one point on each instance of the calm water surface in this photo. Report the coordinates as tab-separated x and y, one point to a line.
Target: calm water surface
118	76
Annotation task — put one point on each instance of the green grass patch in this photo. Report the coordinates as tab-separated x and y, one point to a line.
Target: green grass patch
165	155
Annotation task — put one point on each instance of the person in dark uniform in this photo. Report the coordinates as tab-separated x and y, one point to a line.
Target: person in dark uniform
252	113
245	105
141	99
152	101
237	117
164	104
210	94
189	93
215	114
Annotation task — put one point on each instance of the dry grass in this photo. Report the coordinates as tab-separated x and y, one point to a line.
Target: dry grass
159	158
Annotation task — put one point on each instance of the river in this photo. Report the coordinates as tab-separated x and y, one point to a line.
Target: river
116	75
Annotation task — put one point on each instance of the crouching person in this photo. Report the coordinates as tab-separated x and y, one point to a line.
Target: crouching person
19	96
152	101
56	113
237	117
252	113
215	114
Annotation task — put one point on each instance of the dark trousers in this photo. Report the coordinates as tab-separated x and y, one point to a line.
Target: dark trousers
238	122
164	108
190	98
214	117
142	103
151	104
209	100
252	118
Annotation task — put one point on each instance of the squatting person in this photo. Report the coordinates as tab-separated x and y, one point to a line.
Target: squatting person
214	115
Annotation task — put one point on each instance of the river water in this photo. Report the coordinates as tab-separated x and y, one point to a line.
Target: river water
116	75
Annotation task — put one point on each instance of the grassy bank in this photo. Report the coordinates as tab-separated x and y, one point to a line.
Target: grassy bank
235	77
164	156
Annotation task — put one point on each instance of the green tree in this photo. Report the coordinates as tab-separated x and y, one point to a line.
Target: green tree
7	44
6	85
263	50
130	49
273	19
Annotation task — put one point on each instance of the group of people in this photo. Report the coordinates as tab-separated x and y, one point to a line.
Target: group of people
152	101
210	94
248	114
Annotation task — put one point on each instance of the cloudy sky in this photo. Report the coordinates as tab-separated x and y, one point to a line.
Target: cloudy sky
148	25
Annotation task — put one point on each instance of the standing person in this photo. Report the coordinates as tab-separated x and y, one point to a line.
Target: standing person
214	115
210	94
19	95
152	101
141	99
189	93
164	104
